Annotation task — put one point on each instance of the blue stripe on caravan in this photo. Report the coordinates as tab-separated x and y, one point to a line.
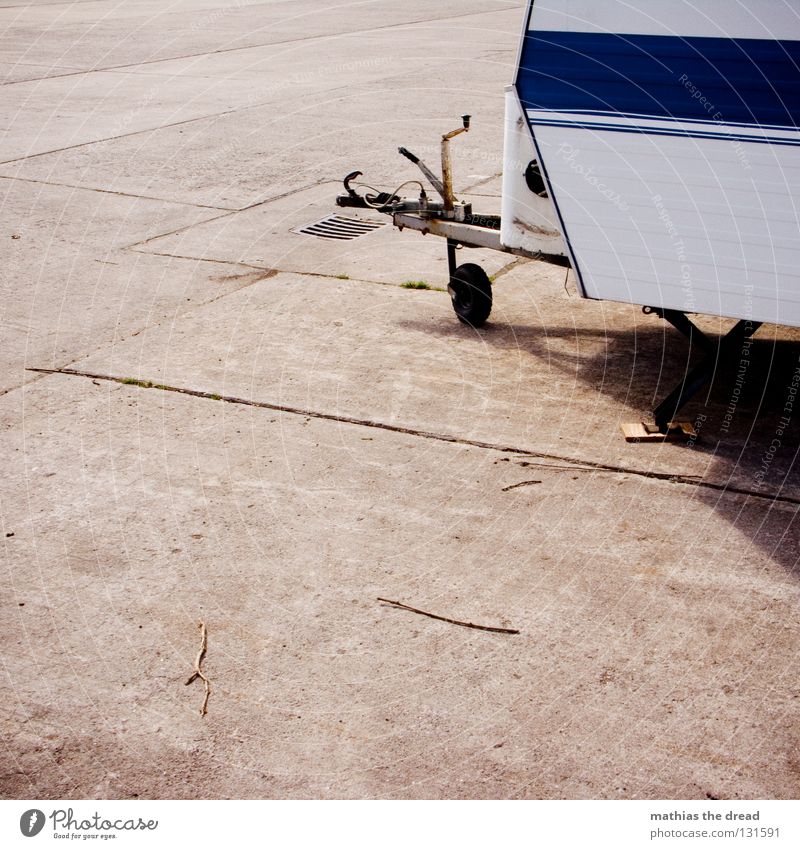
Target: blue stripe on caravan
748	81
663	131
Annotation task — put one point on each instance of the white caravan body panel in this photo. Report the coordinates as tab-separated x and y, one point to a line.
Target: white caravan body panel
668	138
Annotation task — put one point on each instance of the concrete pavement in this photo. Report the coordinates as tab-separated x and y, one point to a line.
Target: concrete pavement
156	162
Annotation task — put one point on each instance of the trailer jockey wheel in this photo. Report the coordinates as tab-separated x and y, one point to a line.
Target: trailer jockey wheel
471	293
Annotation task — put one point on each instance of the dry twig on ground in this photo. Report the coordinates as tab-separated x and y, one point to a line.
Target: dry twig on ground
446	619
198	672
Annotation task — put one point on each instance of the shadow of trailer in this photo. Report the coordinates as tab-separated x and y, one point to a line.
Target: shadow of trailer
659	165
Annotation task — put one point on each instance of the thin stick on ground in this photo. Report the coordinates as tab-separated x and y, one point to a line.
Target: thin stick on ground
446	619
198	672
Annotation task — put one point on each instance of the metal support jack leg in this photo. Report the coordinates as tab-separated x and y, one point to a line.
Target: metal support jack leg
697	377
452	262
683	325
665	424
452	265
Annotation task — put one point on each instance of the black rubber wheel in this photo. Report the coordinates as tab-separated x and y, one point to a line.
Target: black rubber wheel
471	292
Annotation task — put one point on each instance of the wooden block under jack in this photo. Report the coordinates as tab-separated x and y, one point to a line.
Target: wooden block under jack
641	432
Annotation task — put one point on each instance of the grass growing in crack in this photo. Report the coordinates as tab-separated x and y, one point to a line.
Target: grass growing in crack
342	276
148	384
142	384
420	284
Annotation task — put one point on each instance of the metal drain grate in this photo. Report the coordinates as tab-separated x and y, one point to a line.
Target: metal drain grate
339	227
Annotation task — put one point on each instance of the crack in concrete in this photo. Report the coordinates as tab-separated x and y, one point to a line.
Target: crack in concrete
119	194
254	46
317	274
225	214
575	464
154	129
267	271
126	135
27	7
213	115
132	249
263	274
